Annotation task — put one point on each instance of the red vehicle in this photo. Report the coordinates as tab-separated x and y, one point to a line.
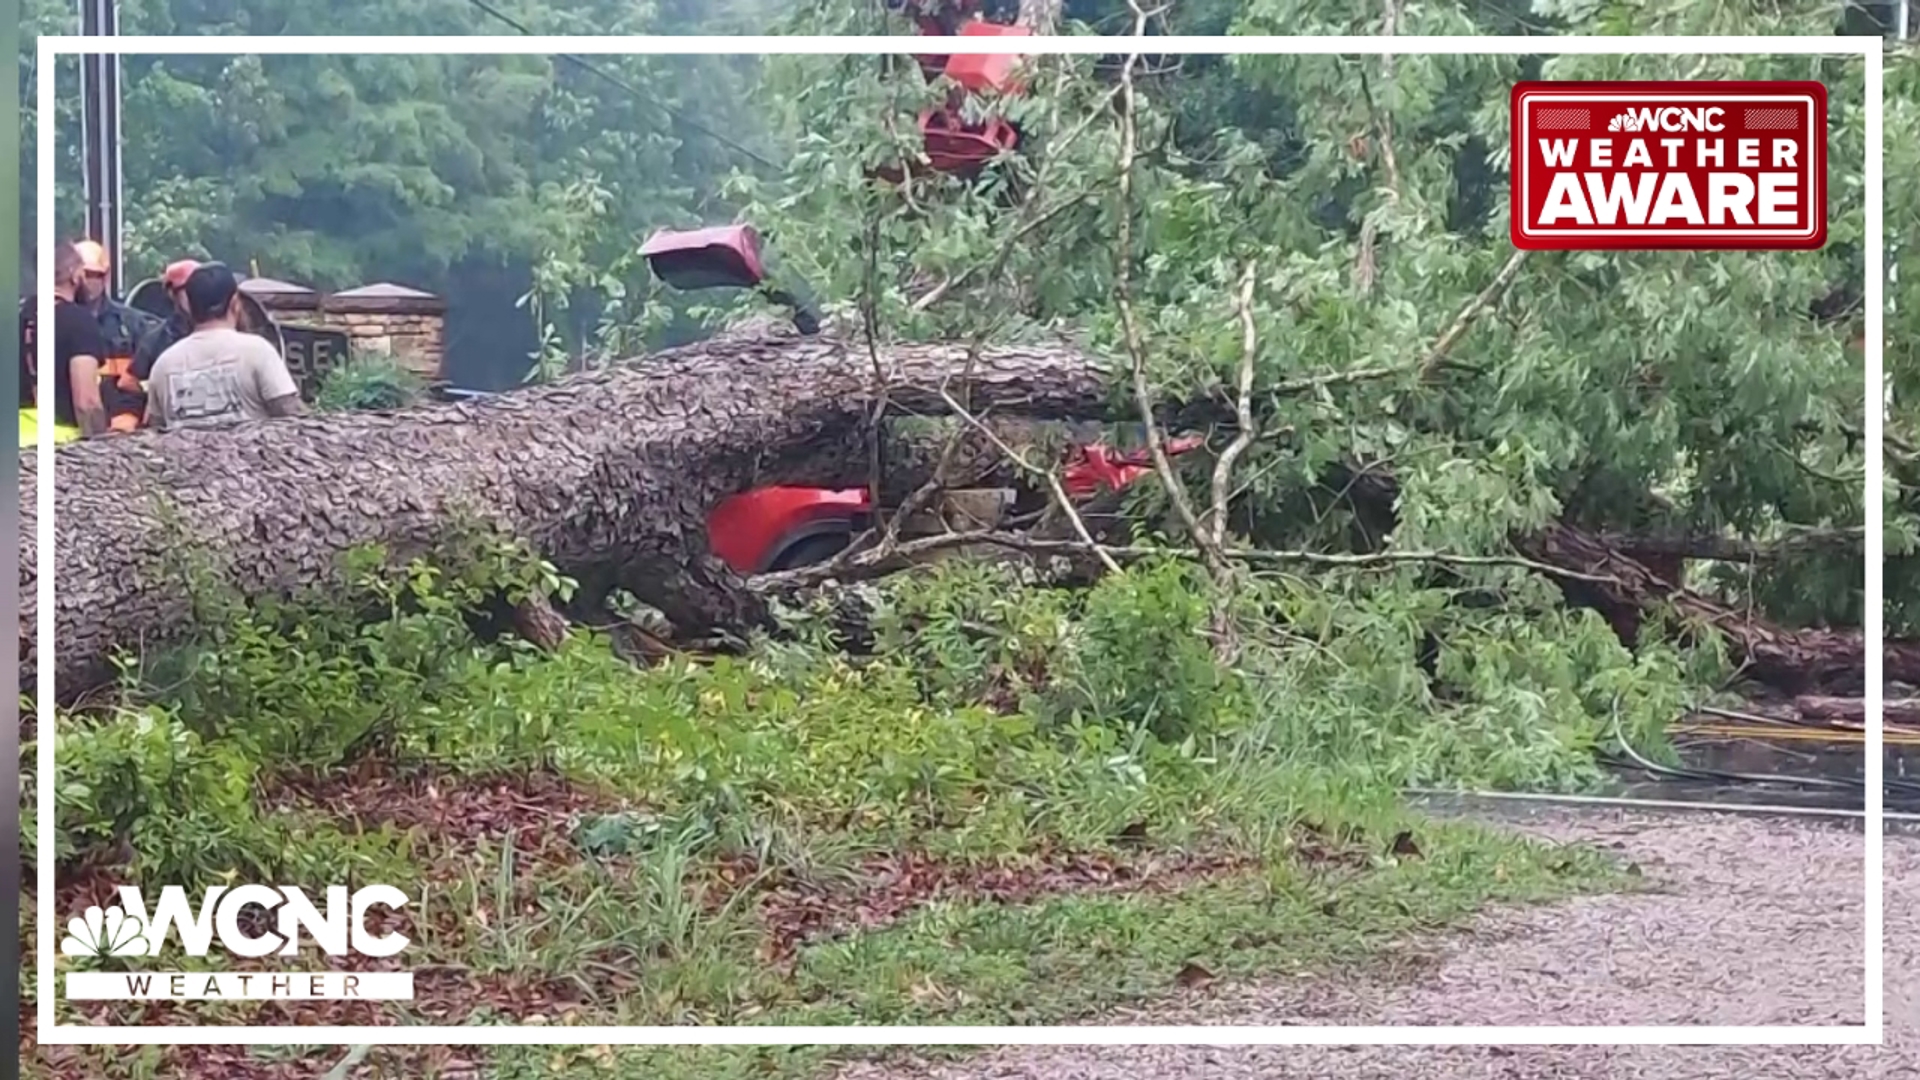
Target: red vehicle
779	528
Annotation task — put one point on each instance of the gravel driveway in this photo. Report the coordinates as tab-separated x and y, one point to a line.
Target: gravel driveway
1759	923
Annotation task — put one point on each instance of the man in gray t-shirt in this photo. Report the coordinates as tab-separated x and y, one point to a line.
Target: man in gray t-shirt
218	374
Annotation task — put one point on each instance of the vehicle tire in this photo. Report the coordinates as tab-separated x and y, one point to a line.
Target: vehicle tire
813	549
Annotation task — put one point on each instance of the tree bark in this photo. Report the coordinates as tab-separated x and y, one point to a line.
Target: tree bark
608	475
1854	710
1646	548
1795	660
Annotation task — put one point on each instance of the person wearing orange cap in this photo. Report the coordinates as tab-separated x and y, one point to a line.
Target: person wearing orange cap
219	374
95	268
178	325
121	326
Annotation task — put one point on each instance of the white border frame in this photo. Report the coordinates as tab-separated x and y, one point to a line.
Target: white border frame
1869	49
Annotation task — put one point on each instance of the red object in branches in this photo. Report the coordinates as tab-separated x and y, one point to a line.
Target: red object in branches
981	73
723	256
957	147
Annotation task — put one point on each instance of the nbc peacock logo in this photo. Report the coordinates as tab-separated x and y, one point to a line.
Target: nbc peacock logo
106	931
1626	121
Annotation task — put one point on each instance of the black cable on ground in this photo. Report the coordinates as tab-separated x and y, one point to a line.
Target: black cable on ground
1889	786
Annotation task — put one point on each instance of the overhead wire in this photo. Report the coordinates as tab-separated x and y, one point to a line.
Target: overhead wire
594	69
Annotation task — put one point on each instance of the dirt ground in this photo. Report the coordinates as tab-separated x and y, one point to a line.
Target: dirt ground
1758	921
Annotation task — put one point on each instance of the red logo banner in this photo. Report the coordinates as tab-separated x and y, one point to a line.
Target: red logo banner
1669	165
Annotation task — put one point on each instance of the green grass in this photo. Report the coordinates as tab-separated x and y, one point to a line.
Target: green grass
586	843
1061	958
1073	957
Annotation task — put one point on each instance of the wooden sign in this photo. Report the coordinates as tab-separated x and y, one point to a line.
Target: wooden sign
311	352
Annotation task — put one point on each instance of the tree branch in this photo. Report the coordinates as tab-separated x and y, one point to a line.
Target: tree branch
1384	119
1123	286
876	564
1055	152
1053	485
1476	307
1243	410
939	292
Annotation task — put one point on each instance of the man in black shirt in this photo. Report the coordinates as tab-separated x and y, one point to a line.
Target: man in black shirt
78	348
178	325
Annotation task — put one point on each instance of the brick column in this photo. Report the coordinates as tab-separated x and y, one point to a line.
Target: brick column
406	324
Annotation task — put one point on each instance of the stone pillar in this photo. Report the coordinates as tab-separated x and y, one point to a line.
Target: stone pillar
284	301
406	324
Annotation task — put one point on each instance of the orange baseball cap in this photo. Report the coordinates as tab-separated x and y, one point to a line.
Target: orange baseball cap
177	273
93	257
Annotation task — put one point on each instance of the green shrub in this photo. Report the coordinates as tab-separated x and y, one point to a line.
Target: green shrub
370	382
992	714
1142	655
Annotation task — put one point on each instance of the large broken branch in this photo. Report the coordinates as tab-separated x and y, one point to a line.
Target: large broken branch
1170	482
608	475
877	563
1796	659
1734	549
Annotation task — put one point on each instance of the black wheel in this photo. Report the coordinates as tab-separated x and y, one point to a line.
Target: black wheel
811	550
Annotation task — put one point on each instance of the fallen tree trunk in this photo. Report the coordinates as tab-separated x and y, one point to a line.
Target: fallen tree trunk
608	475
1854	710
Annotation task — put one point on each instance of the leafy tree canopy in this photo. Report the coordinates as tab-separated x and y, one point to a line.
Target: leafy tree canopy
1690	392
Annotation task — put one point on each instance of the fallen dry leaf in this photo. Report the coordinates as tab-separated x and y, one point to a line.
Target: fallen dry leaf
1192	977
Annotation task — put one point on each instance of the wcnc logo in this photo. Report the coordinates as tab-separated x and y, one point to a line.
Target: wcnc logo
130	929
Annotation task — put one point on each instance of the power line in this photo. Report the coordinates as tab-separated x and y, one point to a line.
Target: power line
615	80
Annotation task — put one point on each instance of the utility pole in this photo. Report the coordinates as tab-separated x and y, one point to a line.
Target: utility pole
100	135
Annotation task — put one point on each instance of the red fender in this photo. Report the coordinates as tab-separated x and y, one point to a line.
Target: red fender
749	530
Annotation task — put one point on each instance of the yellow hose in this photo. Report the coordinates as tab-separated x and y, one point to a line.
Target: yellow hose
1889	737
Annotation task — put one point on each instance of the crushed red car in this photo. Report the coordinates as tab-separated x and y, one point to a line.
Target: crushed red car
779	528
783	527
